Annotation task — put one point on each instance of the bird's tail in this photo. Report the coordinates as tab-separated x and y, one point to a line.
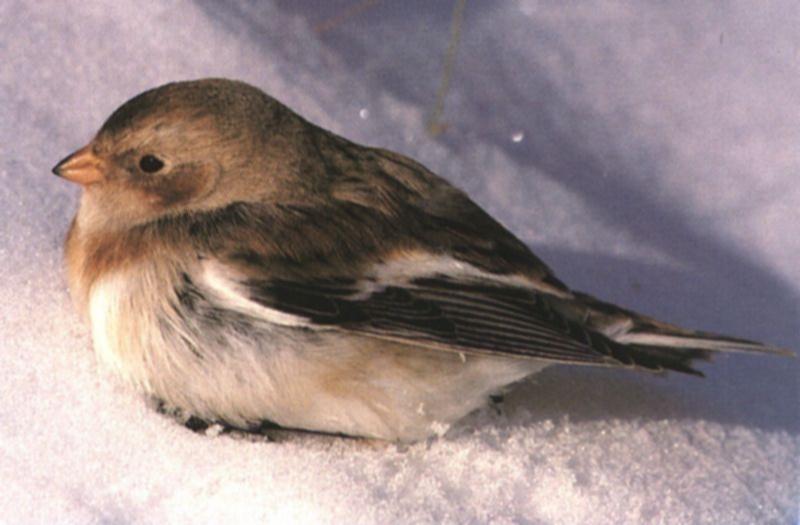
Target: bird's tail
651	344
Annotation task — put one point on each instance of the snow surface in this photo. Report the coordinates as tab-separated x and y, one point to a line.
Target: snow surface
651	154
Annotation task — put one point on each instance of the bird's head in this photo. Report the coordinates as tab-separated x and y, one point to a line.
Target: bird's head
183	147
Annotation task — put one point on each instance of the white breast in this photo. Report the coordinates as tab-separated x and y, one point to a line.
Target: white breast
105	301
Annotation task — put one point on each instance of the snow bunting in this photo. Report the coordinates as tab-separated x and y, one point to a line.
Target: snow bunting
241	265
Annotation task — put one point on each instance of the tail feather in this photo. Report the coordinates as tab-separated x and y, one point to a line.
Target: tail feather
658	359
638	340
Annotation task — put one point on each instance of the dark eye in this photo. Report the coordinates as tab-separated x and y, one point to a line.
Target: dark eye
150	164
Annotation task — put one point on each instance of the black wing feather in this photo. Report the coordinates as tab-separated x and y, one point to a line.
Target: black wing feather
439	311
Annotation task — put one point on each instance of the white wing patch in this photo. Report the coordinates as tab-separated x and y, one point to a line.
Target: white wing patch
221	281
416	265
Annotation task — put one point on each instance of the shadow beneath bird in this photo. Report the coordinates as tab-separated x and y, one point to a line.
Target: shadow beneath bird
596	394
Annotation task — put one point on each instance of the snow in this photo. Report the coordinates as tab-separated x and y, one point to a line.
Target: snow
650	154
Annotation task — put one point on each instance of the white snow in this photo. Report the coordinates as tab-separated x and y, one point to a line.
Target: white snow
659	169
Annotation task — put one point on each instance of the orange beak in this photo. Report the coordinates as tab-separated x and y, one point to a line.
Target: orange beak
82	167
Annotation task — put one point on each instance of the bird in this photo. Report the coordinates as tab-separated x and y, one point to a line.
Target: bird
241	265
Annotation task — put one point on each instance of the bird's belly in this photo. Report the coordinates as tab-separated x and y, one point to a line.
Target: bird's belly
369	387
226	367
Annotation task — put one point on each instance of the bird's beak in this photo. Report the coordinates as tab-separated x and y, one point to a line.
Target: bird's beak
82	167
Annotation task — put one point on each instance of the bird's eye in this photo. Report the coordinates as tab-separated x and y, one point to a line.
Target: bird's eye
150	164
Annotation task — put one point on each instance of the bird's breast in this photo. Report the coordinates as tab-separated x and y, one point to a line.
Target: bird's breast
107	303
132	321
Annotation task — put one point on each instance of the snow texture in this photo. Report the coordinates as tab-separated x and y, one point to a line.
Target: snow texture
649	153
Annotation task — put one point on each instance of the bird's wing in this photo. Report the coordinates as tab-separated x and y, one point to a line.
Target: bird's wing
435	272
464	310
455	311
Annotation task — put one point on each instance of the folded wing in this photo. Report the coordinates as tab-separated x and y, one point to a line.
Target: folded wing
467	315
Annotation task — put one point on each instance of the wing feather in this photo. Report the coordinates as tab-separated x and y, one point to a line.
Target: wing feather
462	316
